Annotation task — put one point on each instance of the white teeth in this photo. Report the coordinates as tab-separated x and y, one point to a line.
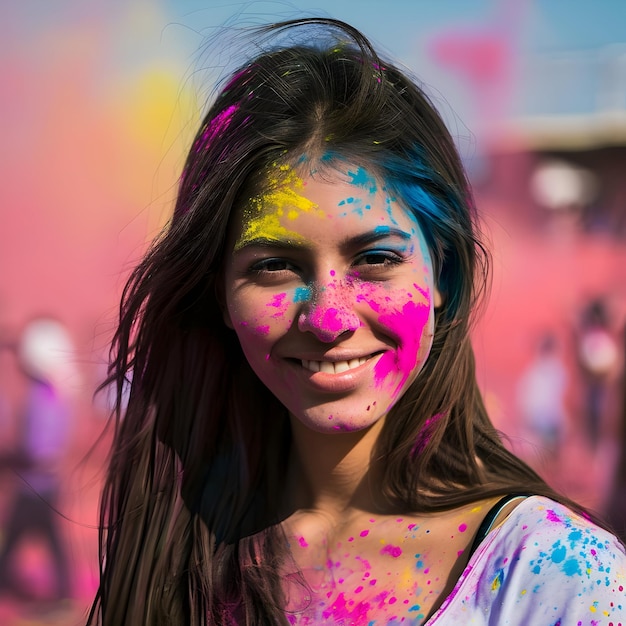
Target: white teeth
332	367
328	367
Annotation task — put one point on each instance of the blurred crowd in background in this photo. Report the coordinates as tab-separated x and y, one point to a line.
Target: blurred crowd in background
100	100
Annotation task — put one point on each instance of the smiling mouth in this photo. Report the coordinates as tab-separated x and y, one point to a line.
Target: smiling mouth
333	367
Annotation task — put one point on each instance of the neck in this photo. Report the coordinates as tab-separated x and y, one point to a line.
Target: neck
333	472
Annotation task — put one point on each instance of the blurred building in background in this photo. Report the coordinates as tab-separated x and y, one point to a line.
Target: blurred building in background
552	188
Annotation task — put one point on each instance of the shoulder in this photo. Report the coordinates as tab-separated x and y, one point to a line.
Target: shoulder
544	564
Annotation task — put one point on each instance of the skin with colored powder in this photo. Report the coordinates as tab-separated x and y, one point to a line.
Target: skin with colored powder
305	441
364	328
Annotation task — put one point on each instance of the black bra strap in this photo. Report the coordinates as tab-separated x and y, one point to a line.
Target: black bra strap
492	514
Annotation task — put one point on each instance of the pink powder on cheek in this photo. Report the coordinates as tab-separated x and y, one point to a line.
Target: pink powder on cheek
264	329
375	306
277	300
409	326
280	303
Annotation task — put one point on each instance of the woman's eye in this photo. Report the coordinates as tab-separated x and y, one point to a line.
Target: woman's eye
379	258
272	266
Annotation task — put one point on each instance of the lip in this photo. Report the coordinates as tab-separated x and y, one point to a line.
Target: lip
336	382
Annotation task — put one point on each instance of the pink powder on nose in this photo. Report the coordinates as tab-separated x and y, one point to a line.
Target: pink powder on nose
364	533
302	542
333	320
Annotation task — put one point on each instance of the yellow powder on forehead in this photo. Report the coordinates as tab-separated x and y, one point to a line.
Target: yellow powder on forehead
263	213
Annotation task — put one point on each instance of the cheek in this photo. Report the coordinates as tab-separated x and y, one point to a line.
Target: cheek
398	368
257	316
406	317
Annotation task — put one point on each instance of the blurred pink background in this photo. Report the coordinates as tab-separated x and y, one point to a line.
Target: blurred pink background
99	101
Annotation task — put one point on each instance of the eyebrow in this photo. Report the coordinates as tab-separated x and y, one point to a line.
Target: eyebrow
372	236
378	234
269	242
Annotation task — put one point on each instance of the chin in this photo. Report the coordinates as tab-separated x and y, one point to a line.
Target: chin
327	422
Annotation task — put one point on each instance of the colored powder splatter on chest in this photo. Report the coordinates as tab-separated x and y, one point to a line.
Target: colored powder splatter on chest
394	551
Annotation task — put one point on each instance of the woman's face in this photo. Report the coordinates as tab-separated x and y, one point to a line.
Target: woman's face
329	287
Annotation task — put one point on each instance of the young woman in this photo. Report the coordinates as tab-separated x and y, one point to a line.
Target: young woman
304	441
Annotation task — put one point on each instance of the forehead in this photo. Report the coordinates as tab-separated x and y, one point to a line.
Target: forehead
295	204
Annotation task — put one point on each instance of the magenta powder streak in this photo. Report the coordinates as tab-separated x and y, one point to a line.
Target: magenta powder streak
408	325
340	610
217	125
394	551
424	435
278	300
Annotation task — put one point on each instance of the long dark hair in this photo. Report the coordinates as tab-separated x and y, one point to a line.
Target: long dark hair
190	532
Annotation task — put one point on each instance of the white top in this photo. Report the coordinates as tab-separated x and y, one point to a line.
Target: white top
544	566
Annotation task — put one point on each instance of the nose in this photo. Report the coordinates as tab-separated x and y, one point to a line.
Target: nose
330	312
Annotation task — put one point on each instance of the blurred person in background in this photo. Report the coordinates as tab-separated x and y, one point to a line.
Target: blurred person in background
45	358
598	357
541	397
616	509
